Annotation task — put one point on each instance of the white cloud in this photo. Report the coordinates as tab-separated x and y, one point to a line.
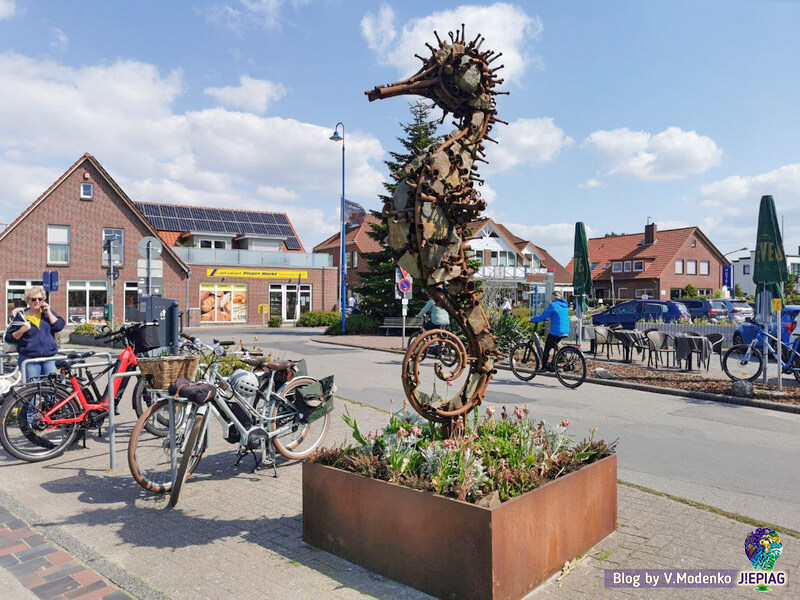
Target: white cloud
590	184
60	40
379	31
507	29
259	13
671	154
525	141
732	192
210	157
7	9
254	95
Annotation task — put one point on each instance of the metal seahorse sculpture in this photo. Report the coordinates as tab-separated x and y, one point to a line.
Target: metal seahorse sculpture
428	216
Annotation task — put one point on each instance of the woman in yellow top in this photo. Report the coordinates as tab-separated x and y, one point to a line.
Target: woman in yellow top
33	331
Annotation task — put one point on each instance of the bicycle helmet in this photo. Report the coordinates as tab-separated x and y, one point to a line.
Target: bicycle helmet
244	383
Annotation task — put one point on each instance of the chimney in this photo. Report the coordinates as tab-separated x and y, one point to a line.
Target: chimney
650	234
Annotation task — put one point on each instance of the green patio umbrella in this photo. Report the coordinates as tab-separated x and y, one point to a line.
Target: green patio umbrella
770	269
581	276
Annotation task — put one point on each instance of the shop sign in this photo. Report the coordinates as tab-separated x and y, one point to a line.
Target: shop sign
257	273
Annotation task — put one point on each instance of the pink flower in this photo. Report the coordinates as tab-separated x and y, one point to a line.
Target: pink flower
526	410
450	444
416	431
565	423
518	412
401	433
490	411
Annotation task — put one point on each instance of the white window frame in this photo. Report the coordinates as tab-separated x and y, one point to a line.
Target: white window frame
679	266
707	265
619	293
616	266
55	228
627	266
86	287
351	259
705	292
87	191
650	293
691	267
640	264
509	259
121	248
746	269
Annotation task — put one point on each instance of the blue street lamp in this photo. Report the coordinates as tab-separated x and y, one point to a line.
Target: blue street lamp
342	262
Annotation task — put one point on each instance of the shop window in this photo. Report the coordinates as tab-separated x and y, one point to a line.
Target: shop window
86	302
705	267
679	267
691	267
58	244
223	302
87	191
117	238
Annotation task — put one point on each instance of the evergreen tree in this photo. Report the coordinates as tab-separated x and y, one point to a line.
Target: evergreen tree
377	289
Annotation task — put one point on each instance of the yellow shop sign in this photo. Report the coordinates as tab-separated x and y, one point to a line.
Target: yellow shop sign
257	273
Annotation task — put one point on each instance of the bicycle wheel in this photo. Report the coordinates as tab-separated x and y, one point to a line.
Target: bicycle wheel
738	366
23	432
148	453
570	367
524	361
302	437
194	448
143	398
447	355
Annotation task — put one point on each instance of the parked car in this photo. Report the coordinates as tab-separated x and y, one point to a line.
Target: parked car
745	332
712	309
738	310
628	313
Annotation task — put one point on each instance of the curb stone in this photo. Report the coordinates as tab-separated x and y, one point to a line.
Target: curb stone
722	398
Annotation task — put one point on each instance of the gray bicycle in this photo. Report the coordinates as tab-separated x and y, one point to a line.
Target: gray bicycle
569	363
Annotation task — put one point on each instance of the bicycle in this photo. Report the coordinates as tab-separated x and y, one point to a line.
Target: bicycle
271	420
746	361
50	412
444	353
569	363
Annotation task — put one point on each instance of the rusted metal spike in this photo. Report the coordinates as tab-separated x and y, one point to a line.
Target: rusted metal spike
494	58
438	39
497	68
431	48
452	38
486	137
463	37
422	59
496	120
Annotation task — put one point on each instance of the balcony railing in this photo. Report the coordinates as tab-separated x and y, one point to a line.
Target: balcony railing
507	273
252	258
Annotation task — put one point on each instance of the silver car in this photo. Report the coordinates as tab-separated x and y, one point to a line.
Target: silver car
738	310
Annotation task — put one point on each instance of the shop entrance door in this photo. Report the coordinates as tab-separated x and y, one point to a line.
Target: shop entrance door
289	301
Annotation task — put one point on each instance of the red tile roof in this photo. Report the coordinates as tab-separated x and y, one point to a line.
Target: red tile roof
354	235
603	251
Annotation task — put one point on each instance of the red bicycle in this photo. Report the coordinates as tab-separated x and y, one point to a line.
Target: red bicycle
41	419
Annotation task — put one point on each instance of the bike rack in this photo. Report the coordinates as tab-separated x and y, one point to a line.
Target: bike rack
59	356
112	422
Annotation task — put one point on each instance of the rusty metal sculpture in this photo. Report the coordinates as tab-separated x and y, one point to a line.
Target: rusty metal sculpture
428	214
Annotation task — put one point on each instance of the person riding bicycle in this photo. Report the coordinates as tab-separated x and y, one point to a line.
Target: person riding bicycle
558	313
439	318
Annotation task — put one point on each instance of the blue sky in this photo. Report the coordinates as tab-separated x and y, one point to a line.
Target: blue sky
681	111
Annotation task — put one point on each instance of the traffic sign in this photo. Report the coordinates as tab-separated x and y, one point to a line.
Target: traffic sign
155	246
404	285
50	281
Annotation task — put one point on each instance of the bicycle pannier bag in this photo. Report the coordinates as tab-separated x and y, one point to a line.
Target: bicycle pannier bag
315	400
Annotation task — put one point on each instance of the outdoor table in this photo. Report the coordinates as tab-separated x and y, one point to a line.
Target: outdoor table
588	334
629	339
687	345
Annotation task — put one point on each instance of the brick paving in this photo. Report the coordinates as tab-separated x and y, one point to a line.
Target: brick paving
235	532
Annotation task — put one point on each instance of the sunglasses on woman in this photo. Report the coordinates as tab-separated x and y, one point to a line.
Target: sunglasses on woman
37	299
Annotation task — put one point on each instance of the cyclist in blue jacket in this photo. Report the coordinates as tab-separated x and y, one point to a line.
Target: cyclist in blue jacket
558	313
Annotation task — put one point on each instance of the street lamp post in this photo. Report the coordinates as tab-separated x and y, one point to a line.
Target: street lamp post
342	262
733	270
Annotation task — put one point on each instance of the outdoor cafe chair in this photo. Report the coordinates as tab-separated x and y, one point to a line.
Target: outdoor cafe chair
603	336
660	343
646	331
716	340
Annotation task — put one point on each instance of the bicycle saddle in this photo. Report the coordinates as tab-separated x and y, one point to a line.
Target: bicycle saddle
73	358
265	364
199	393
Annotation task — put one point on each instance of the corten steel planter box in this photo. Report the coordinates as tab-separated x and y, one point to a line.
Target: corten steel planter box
453	549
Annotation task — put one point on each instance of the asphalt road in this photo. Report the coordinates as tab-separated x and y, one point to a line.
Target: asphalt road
739	459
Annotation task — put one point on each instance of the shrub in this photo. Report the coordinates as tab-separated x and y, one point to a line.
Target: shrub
228	364
356	325
508	329
319	318
85	329
275	321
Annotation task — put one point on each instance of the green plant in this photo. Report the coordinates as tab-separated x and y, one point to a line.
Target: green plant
85	329
737	291
507	329
690	291
318	319
228	364
356	325
275	321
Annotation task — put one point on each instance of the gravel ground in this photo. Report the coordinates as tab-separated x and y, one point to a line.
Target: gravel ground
689	382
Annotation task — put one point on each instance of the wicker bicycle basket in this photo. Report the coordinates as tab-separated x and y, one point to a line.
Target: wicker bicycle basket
162	371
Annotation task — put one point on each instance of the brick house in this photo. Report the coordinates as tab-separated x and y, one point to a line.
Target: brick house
658	264
64	230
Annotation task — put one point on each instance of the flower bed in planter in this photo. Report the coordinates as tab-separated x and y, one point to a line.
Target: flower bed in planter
523	500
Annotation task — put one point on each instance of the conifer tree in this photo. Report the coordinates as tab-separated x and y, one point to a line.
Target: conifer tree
377	297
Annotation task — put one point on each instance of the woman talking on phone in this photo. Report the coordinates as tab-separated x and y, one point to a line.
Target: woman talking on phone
33	331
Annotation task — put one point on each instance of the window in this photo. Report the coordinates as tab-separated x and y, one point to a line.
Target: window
627	266
746	269
691	267
205	243
679	267
622	292
705	291
645	293
87	191
628	308
477	255
351	259
675	293
616	267
117	237
694	243
131	298
796	270
705	267
654	311
638	265
58	244
503	258
594	265
223	302
86	302
216	244
220	244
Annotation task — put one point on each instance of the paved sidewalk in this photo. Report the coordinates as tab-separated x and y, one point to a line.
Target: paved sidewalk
237	533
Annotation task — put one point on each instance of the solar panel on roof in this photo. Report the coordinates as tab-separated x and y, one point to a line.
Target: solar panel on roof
268	218
226	215
169	211
216	226
292	243
151	210
157	222
280	219
202	225
247	228
212	214
184	212
285	230
273	230
199	213
259	228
